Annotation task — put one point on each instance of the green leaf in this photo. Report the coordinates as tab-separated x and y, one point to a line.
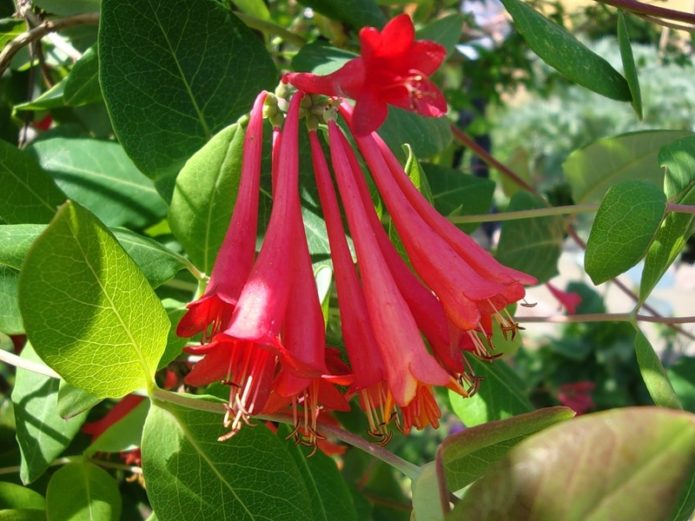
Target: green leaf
501	395
467	455
73	400
625	224
678	160
561	50
654	374
329	495
52	98
682	377
82	84
455	193
357	13
592	170
82	491
427	136
156	262
531	245
204	197
255	8
10	316
629	463
445	31
320	58
87	308
42	434
10	28
174	73
23	514
100	176
28	194
427	505
629	64
124	435
251	476
686	503
175	344
16	496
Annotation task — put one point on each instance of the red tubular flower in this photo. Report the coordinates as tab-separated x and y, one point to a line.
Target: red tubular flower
117	413
577	396
407	363
235	258
393	69
568	300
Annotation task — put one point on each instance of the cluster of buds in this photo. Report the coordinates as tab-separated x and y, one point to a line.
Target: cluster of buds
407	323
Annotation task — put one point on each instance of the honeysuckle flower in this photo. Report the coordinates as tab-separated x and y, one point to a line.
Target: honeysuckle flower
393	69
577	396
567	299
235	258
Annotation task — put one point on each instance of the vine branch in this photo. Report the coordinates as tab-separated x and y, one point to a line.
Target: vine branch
607	317
40	31
651	10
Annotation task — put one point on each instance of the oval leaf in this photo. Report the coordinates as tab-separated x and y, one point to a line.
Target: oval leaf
625	224
654	374
173	73
630	463
204	197
87	308
592	170
629	64
191	475
561	50
82	84
81	491
16	496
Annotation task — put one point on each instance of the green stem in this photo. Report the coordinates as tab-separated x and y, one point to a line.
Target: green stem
181	284
607	317
651	10
410	470
267	27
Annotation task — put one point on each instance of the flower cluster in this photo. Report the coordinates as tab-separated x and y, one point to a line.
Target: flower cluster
406	322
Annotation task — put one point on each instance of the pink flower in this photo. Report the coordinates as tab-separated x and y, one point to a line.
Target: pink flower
568	300
577	396
393	69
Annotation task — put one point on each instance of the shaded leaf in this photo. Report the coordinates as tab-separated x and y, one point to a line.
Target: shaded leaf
16	496
251	476
628	463
50	99
82	491
82	84
625	224
592	170
561	50
427	505
427	136
87	308
10	316
28	194
42	434
531	245
73	400
682	377
100	176
501	395
467	455
445	31
320	58
173	73
357	13
124	435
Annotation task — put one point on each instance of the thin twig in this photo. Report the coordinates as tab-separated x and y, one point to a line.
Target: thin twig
606	317
40	31
651	10
29	365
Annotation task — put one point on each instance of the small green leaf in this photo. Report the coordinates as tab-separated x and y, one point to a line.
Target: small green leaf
467	455
28	194
629	463
124	435
175	344
427	505
87	308
10	316
357	13
10	28
50	99
82	84
625	224
561	50
329	495
654	374
73	400
501	395
16	496
204	197
682	377
531	245
15	240
173	73
100	176
445	31
629	64
251	476
82	491
592	170
678	159
42	434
